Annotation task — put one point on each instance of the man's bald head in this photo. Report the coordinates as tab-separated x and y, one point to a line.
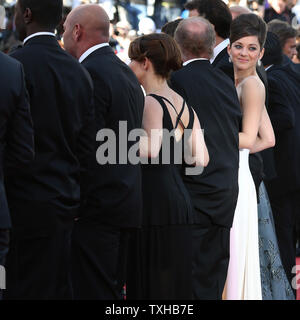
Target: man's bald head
92	18
196	38
238	10
85	26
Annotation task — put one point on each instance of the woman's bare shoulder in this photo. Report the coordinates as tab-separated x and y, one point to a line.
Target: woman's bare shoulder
253	83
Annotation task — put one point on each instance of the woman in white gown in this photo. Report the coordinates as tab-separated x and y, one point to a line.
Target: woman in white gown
247	37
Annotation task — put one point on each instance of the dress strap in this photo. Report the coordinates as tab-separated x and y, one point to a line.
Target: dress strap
167	118
179	116
192	117
178	120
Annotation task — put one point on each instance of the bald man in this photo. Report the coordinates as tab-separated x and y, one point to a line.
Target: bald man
214	193
238	10
44	197
112	208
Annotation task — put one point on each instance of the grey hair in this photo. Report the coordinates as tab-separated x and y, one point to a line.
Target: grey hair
195	40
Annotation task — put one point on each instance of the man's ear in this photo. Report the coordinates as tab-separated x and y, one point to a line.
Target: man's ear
27	15
77	32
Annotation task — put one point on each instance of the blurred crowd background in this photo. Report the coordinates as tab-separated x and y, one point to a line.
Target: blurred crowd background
130	19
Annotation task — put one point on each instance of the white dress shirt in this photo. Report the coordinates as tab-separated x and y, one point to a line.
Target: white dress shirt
38	34
220	47
91	50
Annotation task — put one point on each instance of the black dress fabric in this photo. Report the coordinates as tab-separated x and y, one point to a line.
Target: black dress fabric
160	261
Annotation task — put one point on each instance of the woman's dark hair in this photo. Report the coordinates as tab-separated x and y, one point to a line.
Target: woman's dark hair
46	13
161	49
247	25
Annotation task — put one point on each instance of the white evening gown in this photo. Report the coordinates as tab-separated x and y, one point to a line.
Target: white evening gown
243	277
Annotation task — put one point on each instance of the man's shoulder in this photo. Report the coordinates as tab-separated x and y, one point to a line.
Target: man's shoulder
22	52
193	67
11	69
108	67
276	72
8	61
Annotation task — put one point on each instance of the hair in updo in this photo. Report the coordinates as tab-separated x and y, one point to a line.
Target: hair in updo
247	25
160	49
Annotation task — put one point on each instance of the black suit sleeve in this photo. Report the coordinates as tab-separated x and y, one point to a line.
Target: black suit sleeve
281	113
20	141
86	143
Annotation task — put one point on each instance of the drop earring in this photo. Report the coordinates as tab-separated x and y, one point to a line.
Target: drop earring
229	59
259	63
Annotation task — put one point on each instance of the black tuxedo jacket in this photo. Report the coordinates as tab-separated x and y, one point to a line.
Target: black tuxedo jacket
61	99
16	131
284	111
114	195
213	96
222	62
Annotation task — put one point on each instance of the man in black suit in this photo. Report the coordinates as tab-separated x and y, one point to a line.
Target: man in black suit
44	197
214	193
283	108
16	138
113	204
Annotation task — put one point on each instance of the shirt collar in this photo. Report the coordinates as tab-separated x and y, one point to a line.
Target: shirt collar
38	34
191	60
269	67
91	50
220	47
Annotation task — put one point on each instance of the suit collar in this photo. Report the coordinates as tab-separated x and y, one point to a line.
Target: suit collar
220	56
100	51
202	62
192	60
91	50
41	39
37	34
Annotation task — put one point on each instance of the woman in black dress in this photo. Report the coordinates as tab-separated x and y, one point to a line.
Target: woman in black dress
160	265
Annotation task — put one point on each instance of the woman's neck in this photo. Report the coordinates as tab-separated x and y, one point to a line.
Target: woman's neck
240	75
155	85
